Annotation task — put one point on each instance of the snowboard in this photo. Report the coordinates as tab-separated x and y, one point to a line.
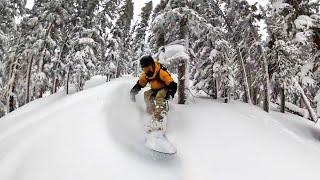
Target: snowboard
158	141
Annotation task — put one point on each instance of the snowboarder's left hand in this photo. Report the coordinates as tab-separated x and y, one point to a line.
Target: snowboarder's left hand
132	97
134	91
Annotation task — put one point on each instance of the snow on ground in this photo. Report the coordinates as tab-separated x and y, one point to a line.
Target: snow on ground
98	134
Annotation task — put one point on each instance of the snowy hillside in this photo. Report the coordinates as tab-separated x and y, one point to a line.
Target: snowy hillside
98	134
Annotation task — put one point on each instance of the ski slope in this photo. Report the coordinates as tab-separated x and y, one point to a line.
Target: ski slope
98	134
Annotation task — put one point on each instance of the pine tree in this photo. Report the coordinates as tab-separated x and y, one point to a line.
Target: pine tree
214	71
9	36
106	18
119	42
176	22
289	52
139	39
86	43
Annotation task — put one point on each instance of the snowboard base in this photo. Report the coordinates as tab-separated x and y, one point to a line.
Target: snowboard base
158	141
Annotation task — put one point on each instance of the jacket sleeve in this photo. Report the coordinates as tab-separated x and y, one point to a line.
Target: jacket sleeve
141	83
136	88
165	77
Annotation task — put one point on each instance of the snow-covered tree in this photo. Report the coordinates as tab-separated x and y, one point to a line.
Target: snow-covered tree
213	71
9	38
177	22
290	52
86	42
119	49
139	40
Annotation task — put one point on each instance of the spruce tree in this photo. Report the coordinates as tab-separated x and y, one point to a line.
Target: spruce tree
139	40
119	41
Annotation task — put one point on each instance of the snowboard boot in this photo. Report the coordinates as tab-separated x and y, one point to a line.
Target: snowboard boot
157	125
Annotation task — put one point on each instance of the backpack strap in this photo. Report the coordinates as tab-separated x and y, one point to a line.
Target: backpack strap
162	67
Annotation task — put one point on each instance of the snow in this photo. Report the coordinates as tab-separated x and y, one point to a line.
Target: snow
86	41
279	5
306	75
304	22
29	4
317	100
171	53
292	107
112	66
98	134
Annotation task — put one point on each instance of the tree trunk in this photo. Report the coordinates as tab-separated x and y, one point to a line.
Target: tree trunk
225	95
266	87
215	88
181	79
12	106
306	101
254	91
266	84
11	98
160	40
283	100
55	86
11	87
40	93
29	78
56	66
245	78
41	60
182	66
68	77
118	69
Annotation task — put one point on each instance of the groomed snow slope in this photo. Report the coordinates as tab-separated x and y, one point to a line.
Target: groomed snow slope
98	134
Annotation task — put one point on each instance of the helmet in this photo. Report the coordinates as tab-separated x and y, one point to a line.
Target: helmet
146	61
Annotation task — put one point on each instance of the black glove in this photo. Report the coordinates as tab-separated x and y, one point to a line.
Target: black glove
134	91
171	90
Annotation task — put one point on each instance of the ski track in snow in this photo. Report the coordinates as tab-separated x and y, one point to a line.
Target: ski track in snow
98	134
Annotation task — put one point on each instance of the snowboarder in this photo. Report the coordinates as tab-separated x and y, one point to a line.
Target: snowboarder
162	88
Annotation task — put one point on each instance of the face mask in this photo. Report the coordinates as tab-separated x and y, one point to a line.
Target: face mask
149	73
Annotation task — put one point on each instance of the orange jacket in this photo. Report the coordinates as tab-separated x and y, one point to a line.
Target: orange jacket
160	78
